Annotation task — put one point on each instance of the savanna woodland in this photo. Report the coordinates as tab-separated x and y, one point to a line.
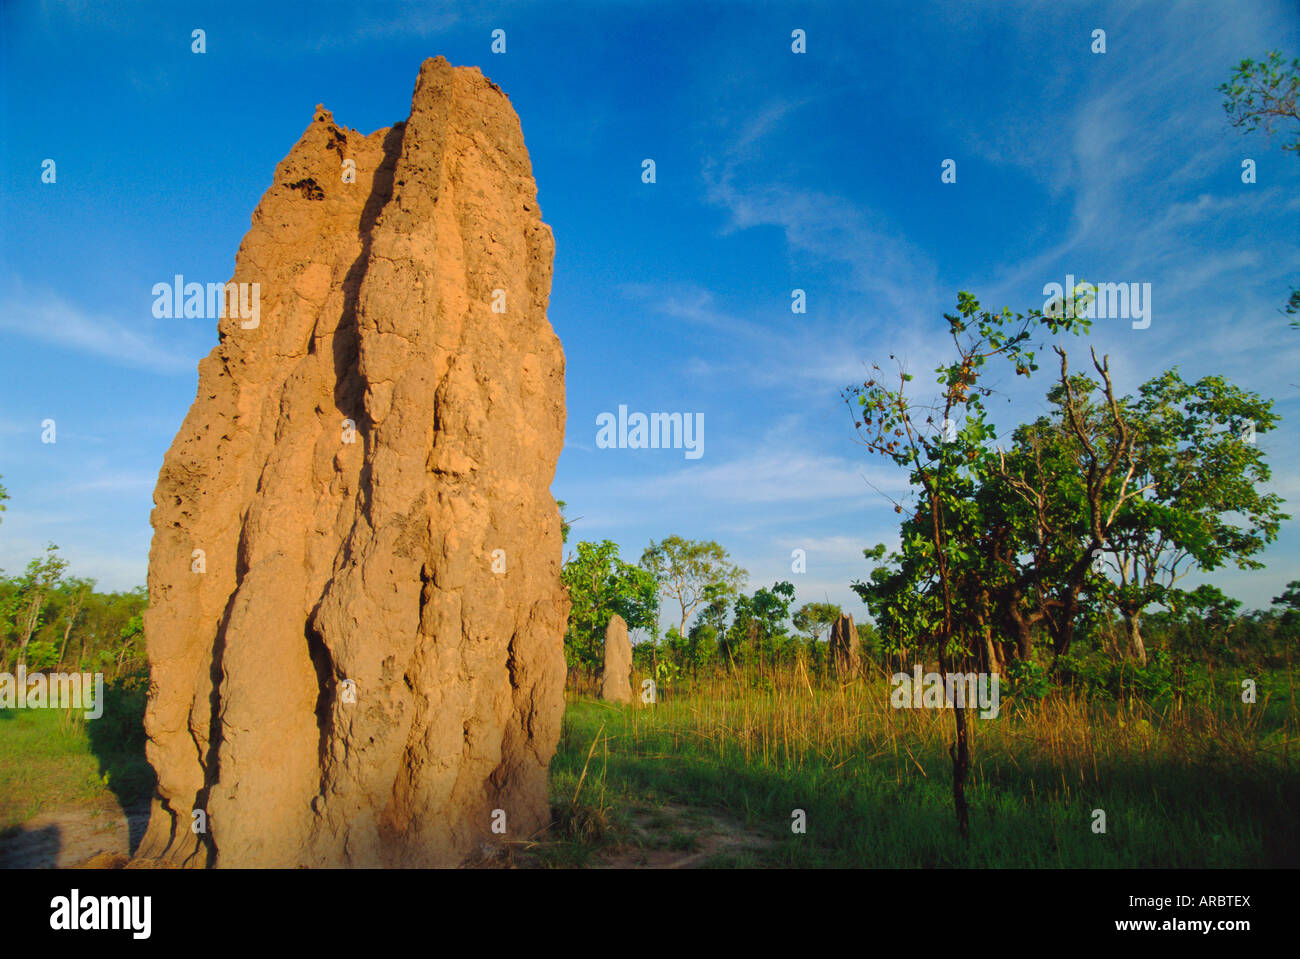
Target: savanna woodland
1142	722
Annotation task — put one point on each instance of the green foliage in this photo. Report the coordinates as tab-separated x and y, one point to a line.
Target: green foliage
565	525
1157	682
41	656
1196	501
28	600
1005	545
1026	682
870	641
666	673
1290	603
1259	94
695	652
51	622
1257	639
815	620
934	592
757	632
1208	606
644	657
600	585
691	572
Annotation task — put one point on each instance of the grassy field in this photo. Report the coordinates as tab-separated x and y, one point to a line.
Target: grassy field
712	775
52	759
1180	786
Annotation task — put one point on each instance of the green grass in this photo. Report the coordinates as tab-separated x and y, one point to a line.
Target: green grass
1183	788
50	758
713	775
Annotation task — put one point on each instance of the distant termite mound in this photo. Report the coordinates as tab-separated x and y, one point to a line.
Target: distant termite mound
356	618
845	648
616	679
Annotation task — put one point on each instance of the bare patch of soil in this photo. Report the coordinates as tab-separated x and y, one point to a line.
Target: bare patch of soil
93	836
681	837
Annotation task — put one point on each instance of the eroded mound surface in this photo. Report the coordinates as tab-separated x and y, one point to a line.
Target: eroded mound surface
356	616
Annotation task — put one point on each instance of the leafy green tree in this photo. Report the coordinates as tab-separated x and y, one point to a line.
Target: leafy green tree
600	585
77	627
74	591
676	647
1207	610
1262	94
34	589
1078	476
960	555
41	656
717	606
759	624
132	632
815	619
702	647
1290	603
704	641
107	623
1199	469
691	572
1116	499
691	653
868	641
933	594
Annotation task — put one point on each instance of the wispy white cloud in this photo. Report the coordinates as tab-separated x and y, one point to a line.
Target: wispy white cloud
817	225
47	318
414	21
117	482
1126	147
809	361
773	475
879	260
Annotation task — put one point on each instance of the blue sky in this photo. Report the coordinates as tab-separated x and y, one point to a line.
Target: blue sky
775	171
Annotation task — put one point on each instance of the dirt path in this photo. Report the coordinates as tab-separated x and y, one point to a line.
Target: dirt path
102	836
74	835
684	837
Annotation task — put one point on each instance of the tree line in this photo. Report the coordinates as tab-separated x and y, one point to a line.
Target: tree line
732	629
51	621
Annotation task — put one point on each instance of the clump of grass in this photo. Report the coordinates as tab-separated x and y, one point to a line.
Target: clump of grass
582	825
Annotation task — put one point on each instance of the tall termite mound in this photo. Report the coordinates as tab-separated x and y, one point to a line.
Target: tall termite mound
355	610
845	649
